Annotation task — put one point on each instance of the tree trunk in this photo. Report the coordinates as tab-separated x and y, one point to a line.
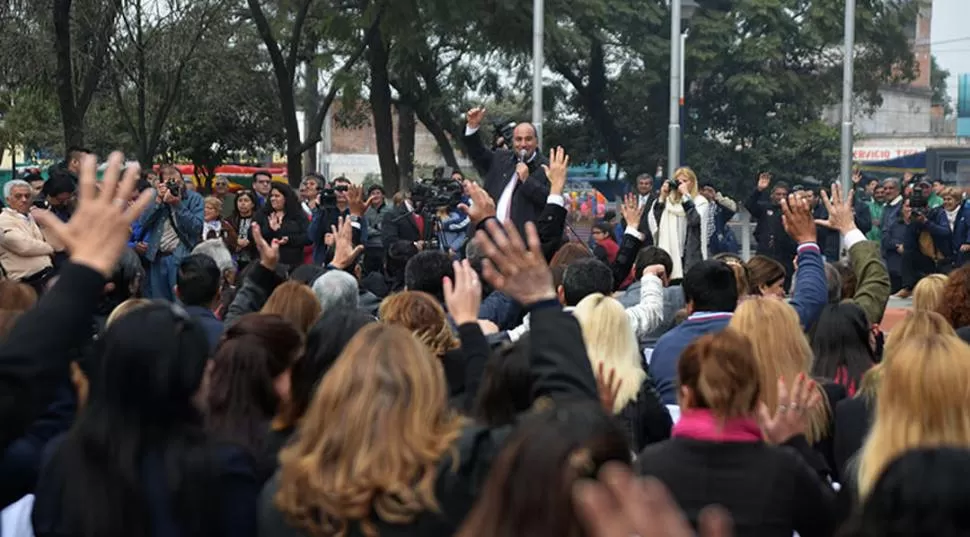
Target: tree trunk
312	104
380	101
406	126
64	75
441	137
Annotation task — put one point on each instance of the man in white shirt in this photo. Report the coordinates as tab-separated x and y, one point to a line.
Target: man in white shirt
514	178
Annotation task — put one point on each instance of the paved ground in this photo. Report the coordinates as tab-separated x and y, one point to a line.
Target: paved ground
895	311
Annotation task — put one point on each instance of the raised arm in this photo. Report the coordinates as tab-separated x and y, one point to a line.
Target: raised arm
480	155
811	293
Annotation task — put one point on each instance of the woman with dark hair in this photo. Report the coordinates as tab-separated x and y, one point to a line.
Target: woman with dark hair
242	220
250	377
283	219
506	388
923	493
529	490
843	346
138	461
325	341
956	307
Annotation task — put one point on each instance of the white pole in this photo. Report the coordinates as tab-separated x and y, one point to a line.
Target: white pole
538	10
673	134
849	57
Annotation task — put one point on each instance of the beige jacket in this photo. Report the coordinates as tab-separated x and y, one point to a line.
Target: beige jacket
23	250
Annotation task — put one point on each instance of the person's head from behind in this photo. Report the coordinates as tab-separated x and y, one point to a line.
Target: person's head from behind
36	183
398	256
198	281
833	283
250	377
928	293
843	345
583	278
74	157
710	286
506	389
423	316
718	373
652	255
849	280
566	255
16	296
124	283
922	493
529	489
922	402
425	272
336	290
611	344
307	274
916	324
956	307
216	250
125	308
396	394
324	343
781	350
766	277
294	302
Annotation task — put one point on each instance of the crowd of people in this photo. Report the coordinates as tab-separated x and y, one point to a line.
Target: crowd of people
318	363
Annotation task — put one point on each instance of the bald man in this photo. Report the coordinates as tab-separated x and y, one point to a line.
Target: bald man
513	178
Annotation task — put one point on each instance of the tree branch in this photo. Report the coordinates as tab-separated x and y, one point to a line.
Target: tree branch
298	23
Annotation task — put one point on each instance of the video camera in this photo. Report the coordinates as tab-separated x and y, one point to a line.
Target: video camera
504	131
919	198
328	196
440	192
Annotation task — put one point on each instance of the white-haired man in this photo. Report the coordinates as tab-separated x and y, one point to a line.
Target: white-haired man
24	254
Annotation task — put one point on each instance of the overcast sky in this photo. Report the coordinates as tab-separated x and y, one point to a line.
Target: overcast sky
950	38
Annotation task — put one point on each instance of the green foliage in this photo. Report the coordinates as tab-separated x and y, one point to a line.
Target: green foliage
938	80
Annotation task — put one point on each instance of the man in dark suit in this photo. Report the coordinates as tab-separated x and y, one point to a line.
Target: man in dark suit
514	178
646	197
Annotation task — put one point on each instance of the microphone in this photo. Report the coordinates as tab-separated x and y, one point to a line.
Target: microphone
522	155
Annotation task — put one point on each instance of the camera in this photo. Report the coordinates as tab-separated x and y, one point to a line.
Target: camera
919	198
505	131
174	187
328	196
437	193
673	184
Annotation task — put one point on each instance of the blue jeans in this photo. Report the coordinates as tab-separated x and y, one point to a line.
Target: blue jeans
161	278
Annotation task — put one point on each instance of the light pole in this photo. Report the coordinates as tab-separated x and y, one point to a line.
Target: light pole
849	58
680	10
538	14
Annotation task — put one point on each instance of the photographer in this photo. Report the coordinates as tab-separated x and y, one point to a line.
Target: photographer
514	178
407	222
171	226
334	203
927	238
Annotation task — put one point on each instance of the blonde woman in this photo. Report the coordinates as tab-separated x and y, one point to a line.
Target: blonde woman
923	401
928	293
611	345
783	353
682	222
854	416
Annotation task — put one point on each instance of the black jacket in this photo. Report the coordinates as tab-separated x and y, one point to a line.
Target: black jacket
773	240
770	491
498	167
853	417
294	228
561	371
400	224
646	419
830	240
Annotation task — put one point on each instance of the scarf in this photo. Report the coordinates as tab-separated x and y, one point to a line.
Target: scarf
671	235
702	424
951	217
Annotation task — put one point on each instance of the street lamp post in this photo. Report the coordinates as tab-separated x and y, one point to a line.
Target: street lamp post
538	14
847	74
680	10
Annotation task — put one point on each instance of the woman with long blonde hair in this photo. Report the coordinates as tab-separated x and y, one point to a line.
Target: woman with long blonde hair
923	401
380	451
682	226
928	293
611	346
783	352
854	416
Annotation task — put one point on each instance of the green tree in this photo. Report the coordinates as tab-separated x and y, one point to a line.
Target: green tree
938	79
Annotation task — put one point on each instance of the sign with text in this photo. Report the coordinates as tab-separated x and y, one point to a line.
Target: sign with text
876	154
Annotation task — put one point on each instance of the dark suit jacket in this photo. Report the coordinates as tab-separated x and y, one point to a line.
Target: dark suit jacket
498	166
401	225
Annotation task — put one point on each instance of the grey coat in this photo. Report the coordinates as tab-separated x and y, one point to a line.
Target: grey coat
673	302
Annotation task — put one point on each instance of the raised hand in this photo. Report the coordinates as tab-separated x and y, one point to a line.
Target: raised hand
518	271
631	211
98	232
608	387
792	416
840	210
344	251
463	296
474	117
619	504
355	200
482	205
556	170
684	191
797	219
269	253
764	180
